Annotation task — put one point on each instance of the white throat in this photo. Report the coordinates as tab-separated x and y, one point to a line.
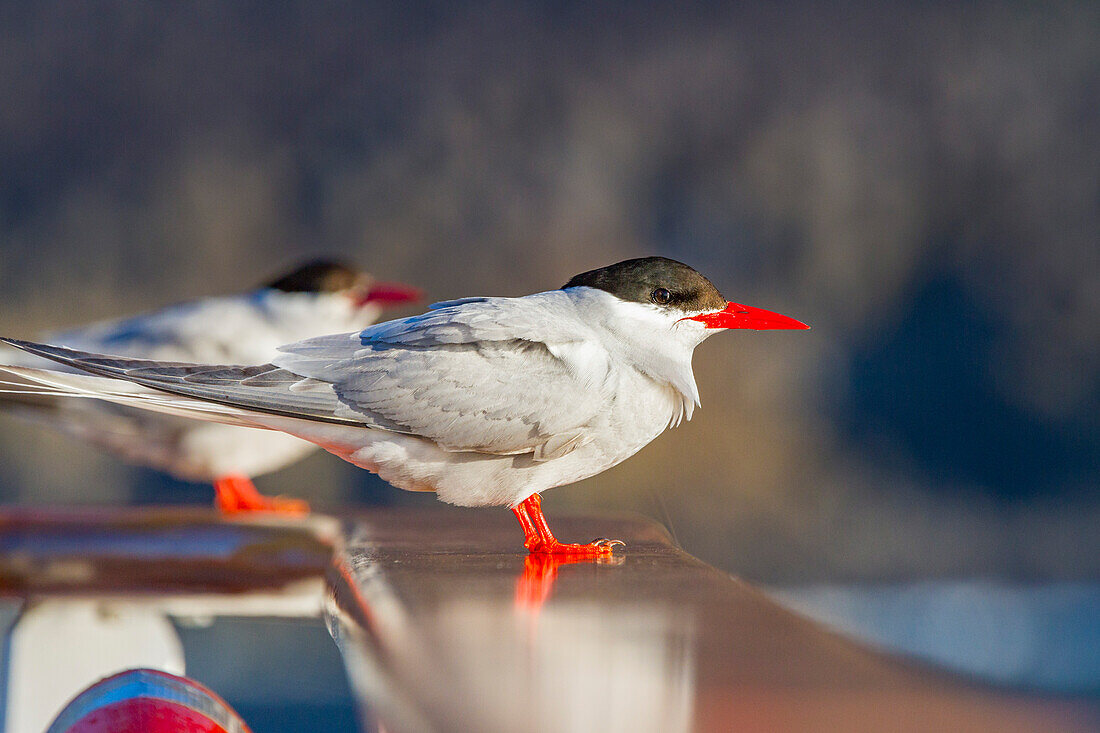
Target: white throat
651	339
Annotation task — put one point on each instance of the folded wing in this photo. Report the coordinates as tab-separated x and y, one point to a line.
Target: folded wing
496	375
491	375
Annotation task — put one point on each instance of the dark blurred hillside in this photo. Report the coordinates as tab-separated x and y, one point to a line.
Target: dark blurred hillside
918	181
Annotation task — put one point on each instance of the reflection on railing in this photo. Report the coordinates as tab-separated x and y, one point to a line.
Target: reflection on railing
540	571
458	639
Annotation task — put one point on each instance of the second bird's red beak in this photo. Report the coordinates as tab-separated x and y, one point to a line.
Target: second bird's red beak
735	315
389	295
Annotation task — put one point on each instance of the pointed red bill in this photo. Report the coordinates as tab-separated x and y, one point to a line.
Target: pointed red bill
390	294
735	315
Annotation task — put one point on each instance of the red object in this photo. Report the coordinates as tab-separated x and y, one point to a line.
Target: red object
390	294
149	716
736	315
236	493
537	536
147	701
540	571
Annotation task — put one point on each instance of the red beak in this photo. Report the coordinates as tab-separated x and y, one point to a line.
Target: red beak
736	315
390	294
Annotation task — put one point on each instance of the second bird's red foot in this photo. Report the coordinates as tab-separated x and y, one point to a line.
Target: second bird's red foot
238	495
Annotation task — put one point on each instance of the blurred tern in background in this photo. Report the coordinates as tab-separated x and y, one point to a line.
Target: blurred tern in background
317	297
485	401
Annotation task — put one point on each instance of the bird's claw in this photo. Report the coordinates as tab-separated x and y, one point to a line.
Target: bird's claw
606	549
600	548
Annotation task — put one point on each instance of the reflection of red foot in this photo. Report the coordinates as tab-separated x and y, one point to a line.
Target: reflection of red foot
540	570
237	494
539	573
538	538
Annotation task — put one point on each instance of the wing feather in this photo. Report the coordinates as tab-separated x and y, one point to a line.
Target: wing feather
222	384
494	375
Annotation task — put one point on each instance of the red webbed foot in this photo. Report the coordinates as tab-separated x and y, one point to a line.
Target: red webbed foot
599	547
538	538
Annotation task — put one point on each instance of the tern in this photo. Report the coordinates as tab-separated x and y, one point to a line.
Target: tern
484	400
316	297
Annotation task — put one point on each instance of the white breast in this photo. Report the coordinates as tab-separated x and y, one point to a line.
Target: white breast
638	411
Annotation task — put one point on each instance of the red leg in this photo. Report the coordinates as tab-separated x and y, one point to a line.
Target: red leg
537	536
531	538
235	493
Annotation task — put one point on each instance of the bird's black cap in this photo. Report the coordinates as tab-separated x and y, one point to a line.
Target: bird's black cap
641	280
317	276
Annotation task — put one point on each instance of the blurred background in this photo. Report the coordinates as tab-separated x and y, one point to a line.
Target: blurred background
918	181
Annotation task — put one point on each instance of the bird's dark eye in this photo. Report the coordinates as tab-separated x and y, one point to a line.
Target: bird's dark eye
661	296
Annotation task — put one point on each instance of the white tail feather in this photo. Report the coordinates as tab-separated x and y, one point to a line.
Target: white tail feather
28	381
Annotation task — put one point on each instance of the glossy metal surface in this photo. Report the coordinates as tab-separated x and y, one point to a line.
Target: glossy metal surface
170	550
448	625
96	592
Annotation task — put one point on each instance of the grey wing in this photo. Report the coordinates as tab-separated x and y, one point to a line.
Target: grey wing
206	330
504	398
488	376
548	318
156	335
492	375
